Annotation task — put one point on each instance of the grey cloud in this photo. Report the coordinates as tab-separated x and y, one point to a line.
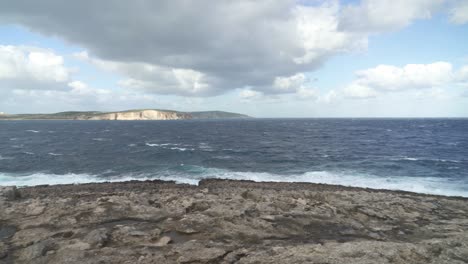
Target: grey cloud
232	44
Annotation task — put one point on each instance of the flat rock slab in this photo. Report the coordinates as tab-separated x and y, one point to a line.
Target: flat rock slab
222	221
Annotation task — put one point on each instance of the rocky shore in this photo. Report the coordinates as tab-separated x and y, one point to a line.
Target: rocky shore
223	221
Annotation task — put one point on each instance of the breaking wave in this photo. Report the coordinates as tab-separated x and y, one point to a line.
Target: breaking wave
193	174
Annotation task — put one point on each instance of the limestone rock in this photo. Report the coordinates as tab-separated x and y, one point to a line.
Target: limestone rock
9	193
224	221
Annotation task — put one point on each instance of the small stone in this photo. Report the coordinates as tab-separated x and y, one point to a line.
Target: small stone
302	201
163	241
97	238
137	233
35	208
374	235
268	217
202	255
37	250
10	193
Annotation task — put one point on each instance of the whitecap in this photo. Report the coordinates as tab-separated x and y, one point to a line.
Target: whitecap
410	159
193	174
5	158
27	153
101	139
161	144
55	154
205	147
181	149
33	131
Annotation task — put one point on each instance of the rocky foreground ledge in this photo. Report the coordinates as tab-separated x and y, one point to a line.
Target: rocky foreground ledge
223	221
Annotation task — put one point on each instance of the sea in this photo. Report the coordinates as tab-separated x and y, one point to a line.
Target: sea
418	155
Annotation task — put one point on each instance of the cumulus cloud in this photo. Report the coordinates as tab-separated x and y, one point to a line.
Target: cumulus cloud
385	15
205	48
31	68
388	78
179	47
249	94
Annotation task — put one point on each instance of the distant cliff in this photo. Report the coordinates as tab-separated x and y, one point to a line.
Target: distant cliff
144	114
138	115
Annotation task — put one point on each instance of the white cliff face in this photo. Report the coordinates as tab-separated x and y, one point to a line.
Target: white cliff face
140	115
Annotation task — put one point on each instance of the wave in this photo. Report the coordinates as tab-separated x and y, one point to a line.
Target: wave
161	144
424	159
181	149
5	158
33	131
205	147
171	146
101	139
55	154
193	174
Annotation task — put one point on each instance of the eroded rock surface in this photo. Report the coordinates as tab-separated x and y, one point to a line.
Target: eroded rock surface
229	222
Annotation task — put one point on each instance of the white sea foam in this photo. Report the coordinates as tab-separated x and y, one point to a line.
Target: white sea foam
101	139
205	146
43	178
181	149
171	146
430	185
55	154
33	131
5	158
424	159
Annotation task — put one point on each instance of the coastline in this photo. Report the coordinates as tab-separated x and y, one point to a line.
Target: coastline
228	221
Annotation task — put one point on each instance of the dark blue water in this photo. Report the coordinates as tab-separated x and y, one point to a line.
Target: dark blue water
423	155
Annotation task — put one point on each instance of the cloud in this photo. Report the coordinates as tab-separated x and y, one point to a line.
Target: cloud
356	90
24	67
385	15
289	84
194	48
459	12
249	95
388	78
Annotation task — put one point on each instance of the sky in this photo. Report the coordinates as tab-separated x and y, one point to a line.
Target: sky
265	58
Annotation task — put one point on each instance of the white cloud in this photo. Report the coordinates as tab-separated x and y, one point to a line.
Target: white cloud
388	78
156	79
329	96
249	94
307	93
289	84
318	32
459	12
385	15
31	68
356	90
